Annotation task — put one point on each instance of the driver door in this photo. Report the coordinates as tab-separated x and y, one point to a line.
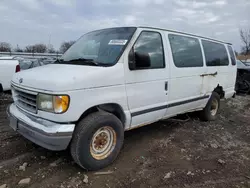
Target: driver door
147	87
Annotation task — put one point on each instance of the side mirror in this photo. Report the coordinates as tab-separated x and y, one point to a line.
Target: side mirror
138	60
131	60
142	60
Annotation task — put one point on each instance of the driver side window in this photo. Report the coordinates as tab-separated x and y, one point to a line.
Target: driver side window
150	43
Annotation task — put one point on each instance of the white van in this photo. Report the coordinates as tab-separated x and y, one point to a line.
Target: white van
118	79
8	67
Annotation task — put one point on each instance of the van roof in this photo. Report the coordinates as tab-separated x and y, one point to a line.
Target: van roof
185	34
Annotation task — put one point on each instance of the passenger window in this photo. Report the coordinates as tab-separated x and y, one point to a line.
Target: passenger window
186	51
232	55
151	43
215	54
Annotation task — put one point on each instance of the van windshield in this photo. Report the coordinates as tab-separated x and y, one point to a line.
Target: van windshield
99	48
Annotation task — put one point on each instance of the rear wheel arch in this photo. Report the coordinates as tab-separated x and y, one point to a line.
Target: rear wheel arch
220	91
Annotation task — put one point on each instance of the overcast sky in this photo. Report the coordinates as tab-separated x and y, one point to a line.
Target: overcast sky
26	22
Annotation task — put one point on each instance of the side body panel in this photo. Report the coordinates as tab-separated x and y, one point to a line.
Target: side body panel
185	84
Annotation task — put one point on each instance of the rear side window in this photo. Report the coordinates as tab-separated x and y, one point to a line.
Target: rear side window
232	55
215	54
186	51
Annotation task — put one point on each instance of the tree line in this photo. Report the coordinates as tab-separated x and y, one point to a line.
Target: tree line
36	48
245	39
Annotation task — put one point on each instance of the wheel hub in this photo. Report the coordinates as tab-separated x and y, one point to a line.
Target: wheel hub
103	143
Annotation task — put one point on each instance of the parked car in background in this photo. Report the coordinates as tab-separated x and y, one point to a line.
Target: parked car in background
48	61
8	67
30	63
242	65
243	77
247	62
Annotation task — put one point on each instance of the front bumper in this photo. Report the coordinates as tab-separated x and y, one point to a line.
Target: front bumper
48	134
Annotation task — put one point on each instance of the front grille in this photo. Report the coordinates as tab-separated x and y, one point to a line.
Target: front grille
25	100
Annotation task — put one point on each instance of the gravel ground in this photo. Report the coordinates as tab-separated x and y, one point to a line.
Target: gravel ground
171	153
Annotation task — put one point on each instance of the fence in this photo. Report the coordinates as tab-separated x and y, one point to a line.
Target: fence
36	55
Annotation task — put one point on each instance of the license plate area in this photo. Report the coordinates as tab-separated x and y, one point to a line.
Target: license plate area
13	123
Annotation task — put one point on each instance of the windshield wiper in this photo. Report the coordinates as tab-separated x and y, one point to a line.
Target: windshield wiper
83	61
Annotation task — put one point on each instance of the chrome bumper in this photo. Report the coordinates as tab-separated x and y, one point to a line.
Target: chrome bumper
48	134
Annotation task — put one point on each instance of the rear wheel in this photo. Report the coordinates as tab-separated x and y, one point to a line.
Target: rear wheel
209	113
243	87
97	140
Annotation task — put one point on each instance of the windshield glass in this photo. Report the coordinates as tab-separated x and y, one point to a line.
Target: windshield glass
102	46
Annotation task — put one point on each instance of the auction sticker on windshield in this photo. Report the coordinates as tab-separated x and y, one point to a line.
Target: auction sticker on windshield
117	42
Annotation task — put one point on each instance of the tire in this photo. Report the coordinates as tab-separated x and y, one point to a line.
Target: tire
246	86
90	135
211	110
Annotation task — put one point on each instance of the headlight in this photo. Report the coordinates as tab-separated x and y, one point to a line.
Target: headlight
53	103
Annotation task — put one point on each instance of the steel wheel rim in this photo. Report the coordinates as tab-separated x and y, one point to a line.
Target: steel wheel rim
103	143
214	107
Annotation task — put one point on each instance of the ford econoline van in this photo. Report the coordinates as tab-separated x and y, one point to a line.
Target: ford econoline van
117	79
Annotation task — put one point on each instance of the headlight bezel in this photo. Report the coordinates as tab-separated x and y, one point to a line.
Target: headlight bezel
52	101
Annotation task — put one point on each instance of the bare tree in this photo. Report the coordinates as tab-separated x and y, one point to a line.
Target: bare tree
51	49
65	46
245	38
18	49
29	49
37	48
5	47
40	48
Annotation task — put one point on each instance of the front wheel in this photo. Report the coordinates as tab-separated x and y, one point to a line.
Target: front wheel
97	140
210	111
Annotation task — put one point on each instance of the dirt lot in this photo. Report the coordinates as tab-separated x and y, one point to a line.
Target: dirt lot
169	153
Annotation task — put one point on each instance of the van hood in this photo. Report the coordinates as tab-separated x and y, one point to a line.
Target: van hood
62	77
